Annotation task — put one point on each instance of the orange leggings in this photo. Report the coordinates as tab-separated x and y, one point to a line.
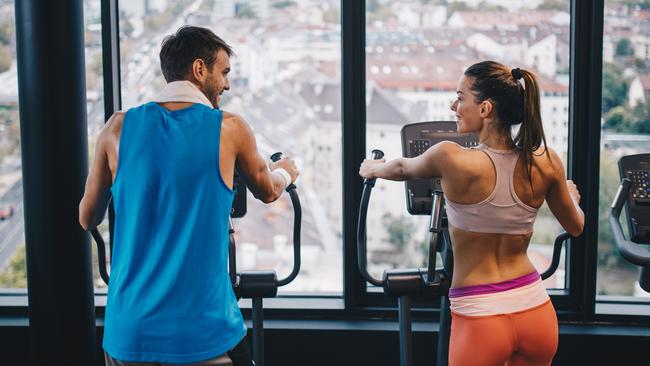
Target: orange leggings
528	337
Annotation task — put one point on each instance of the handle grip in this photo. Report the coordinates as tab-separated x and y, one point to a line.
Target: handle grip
275	157
376	154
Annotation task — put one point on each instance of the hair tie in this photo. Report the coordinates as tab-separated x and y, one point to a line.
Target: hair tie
517	73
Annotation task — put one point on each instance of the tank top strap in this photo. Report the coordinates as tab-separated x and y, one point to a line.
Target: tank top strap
504	162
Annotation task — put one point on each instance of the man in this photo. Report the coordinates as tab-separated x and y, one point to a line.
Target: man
169	165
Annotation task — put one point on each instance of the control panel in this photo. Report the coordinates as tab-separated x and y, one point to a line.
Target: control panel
418	138
636	168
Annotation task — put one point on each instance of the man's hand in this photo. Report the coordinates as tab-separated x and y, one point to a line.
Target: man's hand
287	164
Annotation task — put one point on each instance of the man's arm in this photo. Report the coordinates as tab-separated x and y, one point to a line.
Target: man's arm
265	185
94	203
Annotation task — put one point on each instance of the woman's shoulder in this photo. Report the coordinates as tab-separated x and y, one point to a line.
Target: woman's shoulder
548	161
464	161
453	148
454	153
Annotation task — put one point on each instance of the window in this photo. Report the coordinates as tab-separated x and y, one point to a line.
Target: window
437	41
94	104
625	131
12	246
285	82
12	239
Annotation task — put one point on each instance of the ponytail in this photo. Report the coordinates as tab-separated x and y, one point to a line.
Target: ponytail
531	133
514	104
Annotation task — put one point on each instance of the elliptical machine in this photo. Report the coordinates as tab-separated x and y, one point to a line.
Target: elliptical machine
255	285
425	197
634	194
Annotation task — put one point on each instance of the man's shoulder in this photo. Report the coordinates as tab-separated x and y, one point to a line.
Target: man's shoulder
233	121
112	127
232	118
115	121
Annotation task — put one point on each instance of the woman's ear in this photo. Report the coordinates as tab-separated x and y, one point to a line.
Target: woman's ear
485	108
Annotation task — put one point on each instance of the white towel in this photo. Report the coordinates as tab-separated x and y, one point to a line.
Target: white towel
182	91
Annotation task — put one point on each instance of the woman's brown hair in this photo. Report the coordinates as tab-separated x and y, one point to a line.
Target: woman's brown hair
514	104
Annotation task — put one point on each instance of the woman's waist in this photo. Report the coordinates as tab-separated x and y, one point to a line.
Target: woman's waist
484	267
520	294
489	284
504	297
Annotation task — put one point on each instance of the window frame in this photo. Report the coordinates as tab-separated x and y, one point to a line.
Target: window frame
577	303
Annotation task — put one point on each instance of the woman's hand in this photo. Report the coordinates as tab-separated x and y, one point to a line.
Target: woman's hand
369	167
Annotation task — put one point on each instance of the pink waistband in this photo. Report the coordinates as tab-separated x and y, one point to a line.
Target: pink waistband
491	288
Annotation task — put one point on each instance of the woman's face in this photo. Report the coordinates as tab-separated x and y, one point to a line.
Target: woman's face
468	117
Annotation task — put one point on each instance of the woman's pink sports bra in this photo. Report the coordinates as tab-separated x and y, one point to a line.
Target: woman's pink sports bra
502	212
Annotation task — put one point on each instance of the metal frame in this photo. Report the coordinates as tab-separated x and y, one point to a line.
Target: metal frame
112	77
578	301
584	144
353	102
52	104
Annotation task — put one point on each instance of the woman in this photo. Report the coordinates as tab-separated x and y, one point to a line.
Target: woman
501	313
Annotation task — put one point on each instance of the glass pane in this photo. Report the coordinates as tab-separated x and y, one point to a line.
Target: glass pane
415	53
285	82
94	99
625	129
12	234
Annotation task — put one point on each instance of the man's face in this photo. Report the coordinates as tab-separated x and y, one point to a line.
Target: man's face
216	81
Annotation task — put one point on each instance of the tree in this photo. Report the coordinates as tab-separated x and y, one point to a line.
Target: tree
284	4
5	58
641	115
96	64
615	87
7	32
624	47
155	22
372	6
618	119
400	230
332	15
457	6
638	4
561	5
245	11
125	25
15	275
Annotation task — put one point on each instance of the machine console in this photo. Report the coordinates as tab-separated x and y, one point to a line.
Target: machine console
416	139
636	168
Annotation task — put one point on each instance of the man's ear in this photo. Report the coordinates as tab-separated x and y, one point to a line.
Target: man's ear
485	108
199	69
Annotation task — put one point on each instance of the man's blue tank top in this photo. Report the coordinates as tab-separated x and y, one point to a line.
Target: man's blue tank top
170	299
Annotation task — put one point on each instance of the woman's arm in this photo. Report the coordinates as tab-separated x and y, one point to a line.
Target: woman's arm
563	199
428	165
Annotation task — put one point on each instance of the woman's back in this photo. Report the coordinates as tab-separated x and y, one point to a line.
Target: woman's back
491	253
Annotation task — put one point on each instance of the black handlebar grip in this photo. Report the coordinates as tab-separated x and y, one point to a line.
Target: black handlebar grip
277	156
376	154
